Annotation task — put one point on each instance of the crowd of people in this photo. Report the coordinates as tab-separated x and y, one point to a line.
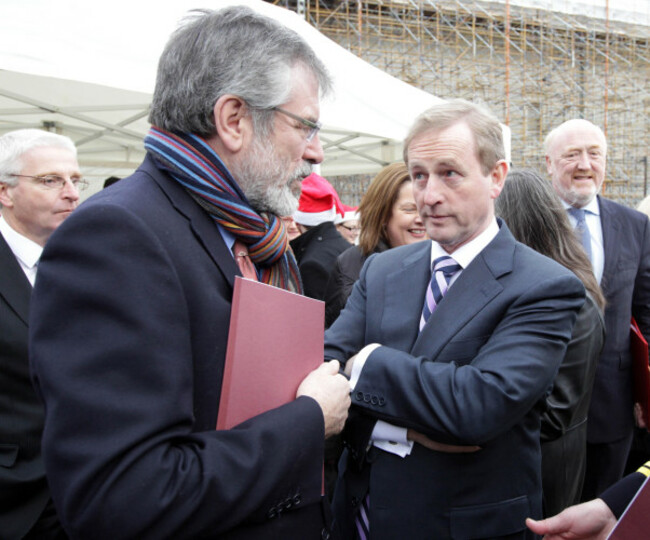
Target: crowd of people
477	374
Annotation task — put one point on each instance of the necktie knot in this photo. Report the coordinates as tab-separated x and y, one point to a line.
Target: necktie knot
578	214
446	265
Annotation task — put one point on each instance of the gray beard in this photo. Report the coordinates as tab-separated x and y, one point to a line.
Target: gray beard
263	179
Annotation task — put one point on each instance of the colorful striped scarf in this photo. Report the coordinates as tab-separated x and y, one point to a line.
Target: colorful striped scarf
192	163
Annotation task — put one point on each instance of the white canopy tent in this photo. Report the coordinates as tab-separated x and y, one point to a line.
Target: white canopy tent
86	69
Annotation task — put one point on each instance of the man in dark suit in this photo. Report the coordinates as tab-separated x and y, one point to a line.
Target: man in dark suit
132	307
617	239
39	188
443	435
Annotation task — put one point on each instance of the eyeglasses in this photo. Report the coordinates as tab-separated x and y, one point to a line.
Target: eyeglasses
54	181
314	127
351	229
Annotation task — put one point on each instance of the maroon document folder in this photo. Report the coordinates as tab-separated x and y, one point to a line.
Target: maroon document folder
634	524
275	339
641	370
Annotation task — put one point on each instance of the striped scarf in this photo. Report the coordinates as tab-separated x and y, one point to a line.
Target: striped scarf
192	163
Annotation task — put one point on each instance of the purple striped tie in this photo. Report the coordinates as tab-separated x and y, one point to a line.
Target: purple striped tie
444	269
362	521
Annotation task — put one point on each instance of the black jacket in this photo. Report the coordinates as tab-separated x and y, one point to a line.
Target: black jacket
316	251
342	279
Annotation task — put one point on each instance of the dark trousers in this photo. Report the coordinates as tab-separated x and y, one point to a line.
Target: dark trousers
605	466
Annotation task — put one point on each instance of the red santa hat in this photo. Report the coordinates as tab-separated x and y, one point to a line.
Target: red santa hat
350	214
318	202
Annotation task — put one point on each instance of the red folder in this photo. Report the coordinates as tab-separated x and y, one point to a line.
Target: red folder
641	370
635	521
276	338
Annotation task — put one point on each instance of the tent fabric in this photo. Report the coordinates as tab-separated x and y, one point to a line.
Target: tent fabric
87	70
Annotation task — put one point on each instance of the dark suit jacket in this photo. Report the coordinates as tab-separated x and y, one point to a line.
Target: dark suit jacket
128	335
316	252
473	376
23	487
564	423
626	286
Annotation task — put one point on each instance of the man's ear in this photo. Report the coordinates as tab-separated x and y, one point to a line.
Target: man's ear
548	165
498	174
233	122
5	198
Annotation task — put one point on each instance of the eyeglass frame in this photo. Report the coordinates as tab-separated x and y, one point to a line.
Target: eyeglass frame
351	229
315	127
80	184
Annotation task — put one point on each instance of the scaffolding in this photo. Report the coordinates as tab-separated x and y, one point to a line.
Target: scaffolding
534	68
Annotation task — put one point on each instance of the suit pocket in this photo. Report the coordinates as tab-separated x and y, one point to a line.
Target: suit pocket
490	520
8	455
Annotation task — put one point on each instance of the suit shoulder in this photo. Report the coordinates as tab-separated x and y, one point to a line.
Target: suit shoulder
623	212
532	263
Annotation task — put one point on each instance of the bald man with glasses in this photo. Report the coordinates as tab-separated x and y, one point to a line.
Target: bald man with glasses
39	188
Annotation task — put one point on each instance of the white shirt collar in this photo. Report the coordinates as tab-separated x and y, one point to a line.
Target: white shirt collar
26	251
465	254
592	207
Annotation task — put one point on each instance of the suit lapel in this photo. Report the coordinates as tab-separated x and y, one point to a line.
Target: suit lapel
612	231
404	294
203	227
15	288
477	285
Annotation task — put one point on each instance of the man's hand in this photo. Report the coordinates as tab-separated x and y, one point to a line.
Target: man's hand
592	520
331	390
638	416
348	366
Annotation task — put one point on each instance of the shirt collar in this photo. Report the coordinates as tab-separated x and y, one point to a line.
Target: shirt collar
465	254
592	207
26	250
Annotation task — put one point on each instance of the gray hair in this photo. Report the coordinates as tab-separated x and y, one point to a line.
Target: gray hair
483	124
14	144
548	141
231	51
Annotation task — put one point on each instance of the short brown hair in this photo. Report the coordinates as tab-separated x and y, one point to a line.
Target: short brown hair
488	135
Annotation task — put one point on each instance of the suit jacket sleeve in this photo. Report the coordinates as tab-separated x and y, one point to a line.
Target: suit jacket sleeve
114	331
484	380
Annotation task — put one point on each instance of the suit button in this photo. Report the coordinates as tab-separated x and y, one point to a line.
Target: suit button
366	398
325	534
296	499
359	396
382	402
355	501
272	513
374	400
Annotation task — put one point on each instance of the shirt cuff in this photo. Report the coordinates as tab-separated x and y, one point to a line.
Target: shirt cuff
359	361
391	439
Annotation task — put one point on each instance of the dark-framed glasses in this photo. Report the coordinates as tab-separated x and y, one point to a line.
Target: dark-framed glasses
56	182
313	127
351	228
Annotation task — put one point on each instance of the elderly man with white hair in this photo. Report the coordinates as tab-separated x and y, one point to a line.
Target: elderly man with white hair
617	240
39	188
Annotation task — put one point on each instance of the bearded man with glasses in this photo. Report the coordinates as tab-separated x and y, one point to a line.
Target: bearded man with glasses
39	189
132	307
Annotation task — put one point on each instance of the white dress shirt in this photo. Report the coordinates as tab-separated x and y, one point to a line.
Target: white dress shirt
389	437
26	251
